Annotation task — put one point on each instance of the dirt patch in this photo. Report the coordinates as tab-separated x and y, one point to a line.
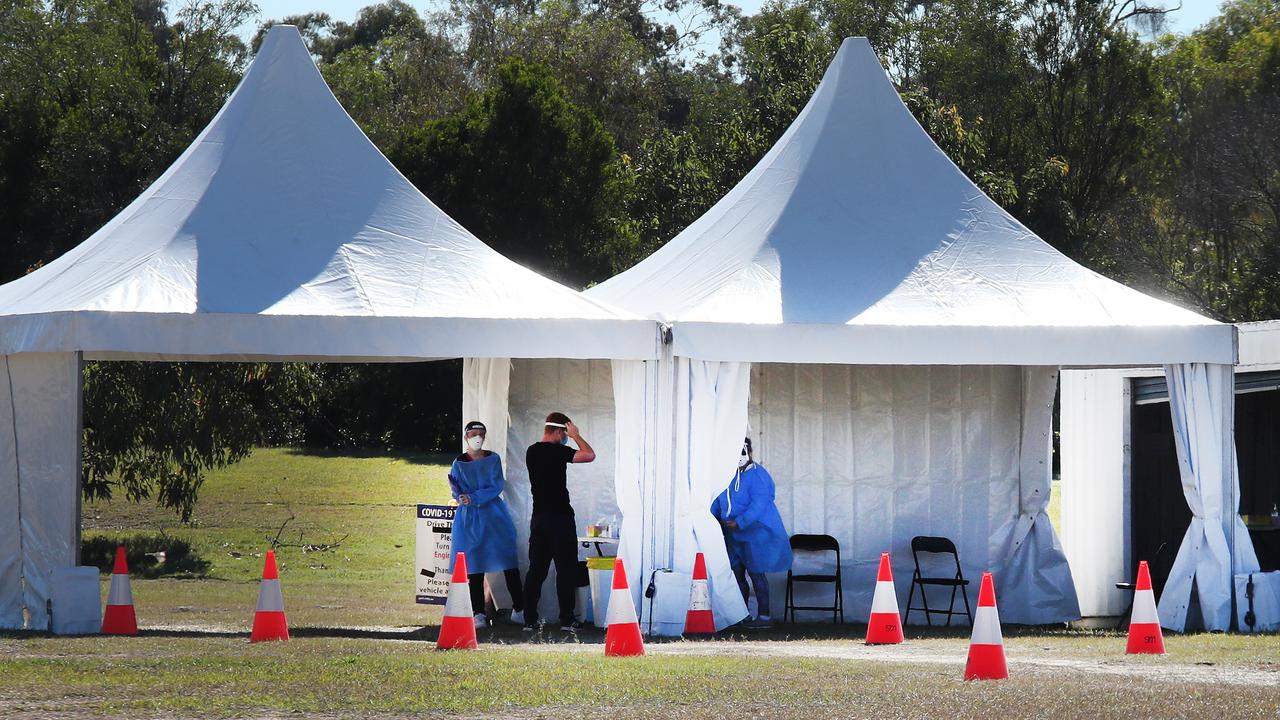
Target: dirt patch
1147	668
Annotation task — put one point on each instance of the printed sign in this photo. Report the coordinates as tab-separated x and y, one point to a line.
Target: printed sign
435	539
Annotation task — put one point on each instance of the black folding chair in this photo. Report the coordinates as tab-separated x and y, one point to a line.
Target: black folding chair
815	543
938	546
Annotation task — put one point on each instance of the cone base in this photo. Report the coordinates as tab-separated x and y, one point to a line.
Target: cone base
699	622
623	640
884	629
986	662
1145	639
119	620
269	625
457	633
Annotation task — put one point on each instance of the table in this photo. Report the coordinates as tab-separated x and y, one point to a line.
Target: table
598	542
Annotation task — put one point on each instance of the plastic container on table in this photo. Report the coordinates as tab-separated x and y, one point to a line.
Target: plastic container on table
600	577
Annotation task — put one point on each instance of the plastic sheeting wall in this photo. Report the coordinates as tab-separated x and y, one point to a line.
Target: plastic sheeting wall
583	390
40	436
874	455
1095	486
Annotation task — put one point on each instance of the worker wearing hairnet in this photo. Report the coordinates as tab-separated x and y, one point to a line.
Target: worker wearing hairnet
753	532
482	526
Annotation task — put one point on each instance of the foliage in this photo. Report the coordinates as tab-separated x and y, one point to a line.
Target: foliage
152	430
532	173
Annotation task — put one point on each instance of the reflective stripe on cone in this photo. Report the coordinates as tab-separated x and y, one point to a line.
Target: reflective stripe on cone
699	620
458	628
119	618
1145	636
269	622
623	636
986	645
885	625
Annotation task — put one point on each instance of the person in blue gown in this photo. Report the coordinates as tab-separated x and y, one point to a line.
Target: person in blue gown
482	526
753	532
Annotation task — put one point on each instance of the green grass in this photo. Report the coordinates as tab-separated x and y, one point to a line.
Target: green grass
1055	506
228	677
365	502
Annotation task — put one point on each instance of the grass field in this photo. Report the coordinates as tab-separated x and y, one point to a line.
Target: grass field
365	502
361	646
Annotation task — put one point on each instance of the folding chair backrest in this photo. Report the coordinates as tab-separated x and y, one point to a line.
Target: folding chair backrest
934	545
814	543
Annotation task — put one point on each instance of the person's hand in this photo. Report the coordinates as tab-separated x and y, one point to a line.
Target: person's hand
464	499
731	524
571	430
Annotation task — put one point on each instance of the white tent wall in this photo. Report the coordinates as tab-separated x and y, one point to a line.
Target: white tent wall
1217	544
874	455
583	390
1033	575
710	424
1095	489
486	388
40	456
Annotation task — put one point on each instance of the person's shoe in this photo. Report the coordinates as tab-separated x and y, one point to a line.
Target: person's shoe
572	626
516	617
530	627
759	622
480	620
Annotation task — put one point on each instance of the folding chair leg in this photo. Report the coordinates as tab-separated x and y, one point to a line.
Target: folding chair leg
964	593
951	607
924	600
910	594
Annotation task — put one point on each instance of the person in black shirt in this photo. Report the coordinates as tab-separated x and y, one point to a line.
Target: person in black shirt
553	533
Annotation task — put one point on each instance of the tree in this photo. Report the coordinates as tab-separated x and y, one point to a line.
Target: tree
152	430
534	175
1207	227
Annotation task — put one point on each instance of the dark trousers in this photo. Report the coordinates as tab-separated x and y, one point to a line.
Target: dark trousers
476	584
759	583
553	537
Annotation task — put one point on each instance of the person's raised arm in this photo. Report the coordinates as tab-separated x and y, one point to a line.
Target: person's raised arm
585	454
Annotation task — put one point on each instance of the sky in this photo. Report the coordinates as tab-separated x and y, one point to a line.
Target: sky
1193	13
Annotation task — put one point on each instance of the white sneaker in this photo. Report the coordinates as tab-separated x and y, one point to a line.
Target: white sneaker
481	621
517	618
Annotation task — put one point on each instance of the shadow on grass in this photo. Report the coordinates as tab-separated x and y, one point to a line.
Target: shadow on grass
413	458
149	556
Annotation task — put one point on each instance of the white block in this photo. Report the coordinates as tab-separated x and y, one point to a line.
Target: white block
77	601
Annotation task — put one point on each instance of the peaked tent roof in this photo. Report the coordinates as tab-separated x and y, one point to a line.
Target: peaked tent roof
282	232
857	240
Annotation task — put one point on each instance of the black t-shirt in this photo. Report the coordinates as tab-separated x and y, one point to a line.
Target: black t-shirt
546	463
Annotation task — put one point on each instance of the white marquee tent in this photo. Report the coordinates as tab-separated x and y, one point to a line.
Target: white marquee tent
280	234
892	339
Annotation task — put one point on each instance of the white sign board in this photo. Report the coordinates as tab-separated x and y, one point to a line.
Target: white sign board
435	539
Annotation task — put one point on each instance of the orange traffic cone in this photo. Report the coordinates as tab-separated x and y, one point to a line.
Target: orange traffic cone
623	636
885	626
458	628
699	619
986	646
119	618
1144	623
268	620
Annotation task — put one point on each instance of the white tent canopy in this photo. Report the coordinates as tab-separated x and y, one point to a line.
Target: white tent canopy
856	242
281	233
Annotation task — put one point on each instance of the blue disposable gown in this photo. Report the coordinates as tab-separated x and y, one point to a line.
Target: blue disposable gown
760	542
483	529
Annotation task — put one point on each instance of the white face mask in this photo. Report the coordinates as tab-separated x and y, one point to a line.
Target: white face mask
743	460
475	442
